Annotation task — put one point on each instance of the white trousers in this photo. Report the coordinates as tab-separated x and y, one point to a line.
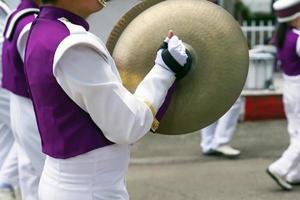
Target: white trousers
96	175
289	163
30	156
9	172
6	141
8	154
6	136
221	131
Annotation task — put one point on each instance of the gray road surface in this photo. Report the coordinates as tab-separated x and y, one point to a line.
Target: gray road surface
172	168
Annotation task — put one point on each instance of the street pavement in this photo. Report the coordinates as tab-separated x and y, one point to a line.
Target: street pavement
173	168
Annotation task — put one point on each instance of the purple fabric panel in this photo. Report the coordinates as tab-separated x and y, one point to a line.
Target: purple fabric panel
163	109
66	130
288	11
288	55
13	69
27	4
53	13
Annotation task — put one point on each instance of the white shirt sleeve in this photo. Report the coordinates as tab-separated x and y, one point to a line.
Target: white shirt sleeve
90	82
298	46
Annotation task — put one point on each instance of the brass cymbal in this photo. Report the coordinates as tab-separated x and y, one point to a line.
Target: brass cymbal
219	50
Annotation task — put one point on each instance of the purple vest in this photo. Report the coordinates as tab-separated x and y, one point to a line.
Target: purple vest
66	130
13	70
288	55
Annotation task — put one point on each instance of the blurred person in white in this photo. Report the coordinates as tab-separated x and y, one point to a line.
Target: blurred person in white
217	136
8	154
286	170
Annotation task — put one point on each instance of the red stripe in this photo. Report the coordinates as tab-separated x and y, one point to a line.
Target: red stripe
264	107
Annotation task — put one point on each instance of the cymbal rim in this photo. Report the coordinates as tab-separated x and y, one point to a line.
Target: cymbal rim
126	20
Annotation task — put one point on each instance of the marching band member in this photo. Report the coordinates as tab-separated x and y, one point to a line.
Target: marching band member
86	117
217	136
286	170
8	156
23	122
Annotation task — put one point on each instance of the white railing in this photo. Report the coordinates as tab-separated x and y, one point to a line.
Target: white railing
257	33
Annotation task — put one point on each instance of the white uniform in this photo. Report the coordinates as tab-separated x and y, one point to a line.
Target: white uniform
8	153
220	132
289	164
6	136
285	171
9	173
8	161
94	84
30	156
29	152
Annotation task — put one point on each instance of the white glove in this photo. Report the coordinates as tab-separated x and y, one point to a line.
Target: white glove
177	51
174	57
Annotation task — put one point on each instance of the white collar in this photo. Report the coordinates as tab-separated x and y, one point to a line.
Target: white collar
297	31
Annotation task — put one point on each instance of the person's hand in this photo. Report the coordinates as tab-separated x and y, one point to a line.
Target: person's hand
173	56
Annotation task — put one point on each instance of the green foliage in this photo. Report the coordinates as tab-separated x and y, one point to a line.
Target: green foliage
242	12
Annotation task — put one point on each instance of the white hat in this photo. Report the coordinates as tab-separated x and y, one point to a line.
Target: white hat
287	10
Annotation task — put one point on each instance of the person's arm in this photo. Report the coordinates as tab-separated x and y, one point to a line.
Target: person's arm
88	79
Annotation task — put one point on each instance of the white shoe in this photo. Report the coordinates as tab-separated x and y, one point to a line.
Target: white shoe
281	181
7	192
224	150
293	177
293	181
